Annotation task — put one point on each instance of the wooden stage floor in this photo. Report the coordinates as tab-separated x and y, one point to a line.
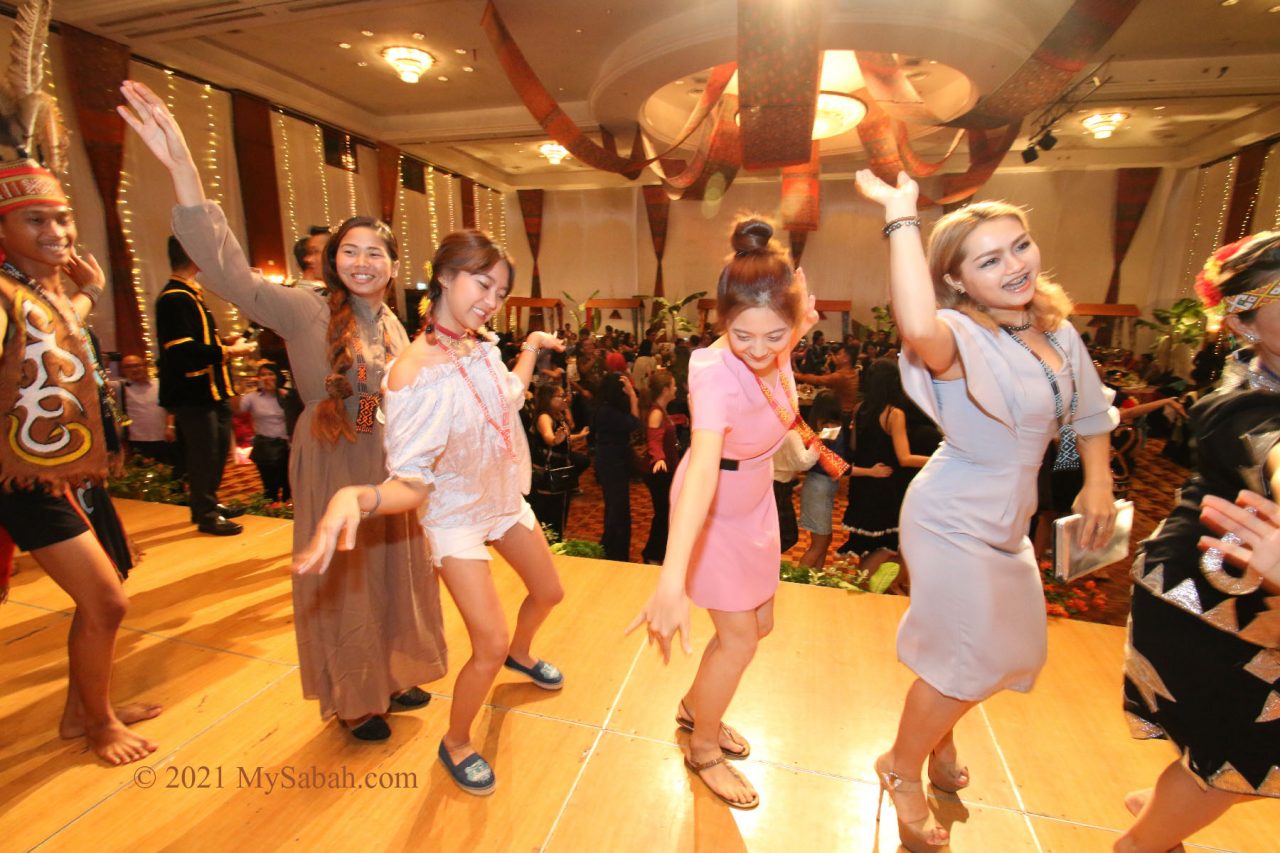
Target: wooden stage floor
594	768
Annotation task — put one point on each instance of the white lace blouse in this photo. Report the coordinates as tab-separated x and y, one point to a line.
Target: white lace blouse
436	433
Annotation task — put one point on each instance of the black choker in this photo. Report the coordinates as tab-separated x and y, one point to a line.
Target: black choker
1012	329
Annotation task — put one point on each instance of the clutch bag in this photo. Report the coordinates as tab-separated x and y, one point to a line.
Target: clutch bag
1070	561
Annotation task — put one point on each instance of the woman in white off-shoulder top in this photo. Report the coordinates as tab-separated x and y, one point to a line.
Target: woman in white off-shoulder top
457	453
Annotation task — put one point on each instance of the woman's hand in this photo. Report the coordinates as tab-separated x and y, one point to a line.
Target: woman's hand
1174	405
337	529
880	471
660	466
900	200
1097	504
809	318
666	613
543	340
1259	530
155	125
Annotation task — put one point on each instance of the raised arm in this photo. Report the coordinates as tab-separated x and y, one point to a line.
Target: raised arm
915	309
529	354
202	227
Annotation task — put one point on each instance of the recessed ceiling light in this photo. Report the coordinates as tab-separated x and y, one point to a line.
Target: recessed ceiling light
443	79
366	33
461	51
1230	2
679	82
579	32
344	45
468	68
1157	108
362	63
419	36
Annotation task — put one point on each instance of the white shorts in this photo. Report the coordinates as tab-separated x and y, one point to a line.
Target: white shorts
468	543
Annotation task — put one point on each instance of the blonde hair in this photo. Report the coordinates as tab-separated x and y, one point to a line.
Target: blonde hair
1049	306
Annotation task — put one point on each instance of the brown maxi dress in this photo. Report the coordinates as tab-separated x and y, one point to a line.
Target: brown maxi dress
370	625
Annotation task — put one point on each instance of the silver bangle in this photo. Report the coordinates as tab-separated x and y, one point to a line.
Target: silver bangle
528	347
93	291
377	502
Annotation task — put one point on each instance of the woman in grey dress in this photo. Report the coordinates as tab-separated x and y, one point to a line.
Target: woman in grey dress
1002	372
367	635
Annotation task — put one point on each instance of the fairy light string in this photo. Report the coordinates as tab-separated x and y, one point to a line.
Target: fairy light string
324	181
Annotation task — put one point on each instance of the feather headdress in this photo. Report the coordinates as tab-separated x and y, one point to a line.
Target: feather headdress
30	123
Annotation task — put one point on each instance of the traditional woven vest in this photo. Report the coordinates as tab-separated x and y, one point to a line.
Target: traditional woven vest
48	396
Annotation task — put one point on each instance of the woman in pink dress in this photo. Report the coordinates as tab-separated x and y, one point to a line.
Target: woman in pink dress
723	549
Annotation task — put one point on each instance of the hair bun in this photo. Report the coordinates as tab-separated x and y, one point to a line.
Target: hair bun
751	236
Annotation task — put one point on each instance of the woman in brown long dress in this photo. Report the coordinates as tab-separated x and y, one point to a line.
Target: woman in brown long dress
367	635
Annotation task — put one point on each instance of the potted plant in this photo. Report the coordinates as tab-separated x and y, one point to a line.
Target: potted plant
1180	329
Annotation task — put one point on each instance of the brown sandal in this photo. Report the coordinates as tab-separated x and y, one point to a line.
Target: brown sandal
698	766
685	721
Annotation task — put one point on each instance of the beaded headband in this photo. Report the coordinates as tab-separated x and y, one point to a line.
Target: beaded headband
24	183
1210	280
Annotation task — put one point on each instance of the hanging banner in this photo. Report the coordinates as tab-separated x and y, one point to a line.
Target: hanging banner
657	207
388	180
801	188
531	212
779	66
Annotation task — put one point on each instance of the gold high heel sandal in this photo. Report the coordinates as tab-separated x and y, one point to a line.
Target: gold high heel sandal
947	775
918	836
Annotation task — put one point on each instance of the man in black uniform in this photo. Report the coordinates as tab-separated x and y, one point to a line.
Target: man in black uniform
195	384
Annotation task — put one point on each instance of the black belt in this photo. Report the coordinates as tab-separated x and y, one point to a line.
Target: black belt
729	464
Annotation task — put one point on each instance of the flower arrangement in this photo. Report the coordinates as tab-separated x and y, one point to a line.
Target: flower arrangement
1067	600
843	574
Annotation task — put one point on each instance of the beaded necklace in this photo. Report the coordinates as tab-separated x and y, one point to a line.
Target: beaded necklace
1068	456
503	429
827	458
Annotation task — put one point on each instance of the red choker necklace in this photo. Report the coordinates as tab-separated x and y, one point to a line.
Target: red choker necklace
452	335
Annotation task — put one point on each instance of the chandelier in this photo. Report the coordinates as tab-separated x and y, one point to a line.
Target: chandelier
1102	125
554	152
836	113
409	62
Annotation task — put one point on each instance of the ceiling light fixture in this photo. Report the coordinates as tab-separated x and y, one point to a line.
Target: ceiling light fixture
468	68
554	152
461	51
836	113
1102	125
419	36
366	33
409	62
443	79
344	45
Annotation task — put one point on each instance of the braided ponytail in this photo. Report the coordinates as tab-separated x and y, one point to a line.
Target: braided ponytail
331	420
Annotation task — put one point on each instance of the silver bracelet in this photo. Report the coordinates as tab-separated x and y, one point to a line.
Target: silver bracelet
903	222
93	291
528	347
377	502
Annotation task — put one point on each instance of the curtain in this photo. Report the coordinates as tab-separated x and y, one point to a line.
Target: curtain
1244	195
531	213
658	207
1133	192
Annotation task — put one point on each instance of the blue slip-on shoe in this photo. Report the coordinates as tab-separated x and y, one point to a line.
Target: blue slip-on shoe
473	774
543	674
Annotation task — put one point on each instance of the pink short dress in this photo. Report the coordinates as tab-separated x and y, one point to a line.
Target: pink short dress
734	565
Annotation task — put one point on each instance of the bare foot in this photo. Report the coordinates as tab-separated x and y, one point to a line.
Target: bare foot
726	782
72	724
117	745
944	772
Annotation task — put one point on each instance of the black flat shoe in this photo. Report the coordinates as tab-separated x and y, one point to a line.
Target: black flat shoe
219	526
230	511
374	728
414	697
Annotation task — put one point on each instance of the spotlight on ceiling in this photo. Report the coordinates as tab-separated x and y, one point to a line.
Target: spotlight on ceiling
409	62
1030	155
836	113
1048	141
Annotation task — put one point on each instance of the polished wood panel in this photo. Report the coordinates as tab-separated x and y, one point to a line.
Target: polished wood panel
595	767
